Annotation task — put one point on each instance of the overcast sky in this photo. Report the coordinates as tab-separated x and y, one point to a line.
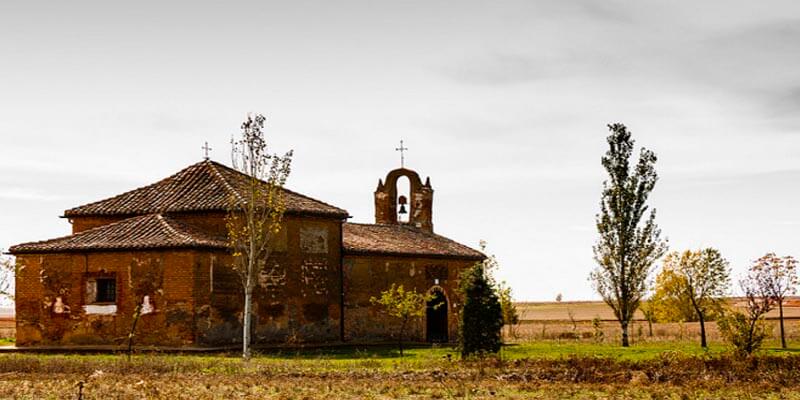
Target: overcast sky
503	104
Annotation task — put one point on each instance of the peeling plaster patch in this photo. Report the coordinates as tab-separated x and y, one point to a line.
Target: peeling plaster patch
105	309
271	279
314	240
313	276
59	307
147	308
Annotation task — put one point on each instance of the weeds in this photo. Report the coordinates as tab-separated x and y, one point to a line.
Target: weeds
160	376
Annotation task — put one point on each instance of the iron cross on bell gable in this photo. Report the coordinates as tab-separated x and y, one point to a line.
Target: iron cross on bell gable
402	151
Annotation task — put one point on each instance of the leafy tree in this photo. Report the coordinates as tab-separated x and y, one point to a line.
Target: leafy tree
481	317
667	302
510	314
404	305
630	242
255	216
703	279
777	277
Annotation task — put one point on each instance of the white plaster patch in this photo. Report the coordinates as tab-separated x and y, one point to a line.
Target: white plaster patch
147	308
314	239
100	309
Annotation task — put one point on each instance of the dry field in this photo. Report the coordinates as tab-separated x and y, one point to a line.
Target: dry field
7	328
588	310
551	357
418	377
573	320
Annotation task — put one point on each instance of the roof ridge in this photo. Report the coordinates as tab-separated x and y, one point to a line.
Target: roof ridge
204	186
165	221
88	231
152	230
135	189
311	198
402	239
218	175
215	164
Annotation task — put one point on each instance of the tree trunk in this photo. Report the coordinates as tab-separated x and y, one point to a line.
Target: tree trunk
783	335
248	301
750	335
624	333
136	314
650	327
400	338
702	319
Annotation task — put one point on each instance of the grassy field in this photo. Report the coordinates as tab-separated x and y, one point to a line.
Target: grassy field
550	369
550	356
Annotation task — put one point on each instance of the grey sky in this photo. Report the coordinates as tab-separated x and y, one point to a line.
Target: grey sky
502	104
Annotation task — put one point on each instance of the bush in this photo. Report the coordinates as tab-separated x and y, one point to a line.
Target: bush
745	334
481	319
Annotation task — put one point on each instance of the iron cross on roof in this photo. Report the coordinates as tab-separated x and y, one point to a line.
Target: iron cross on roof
402	150
206	149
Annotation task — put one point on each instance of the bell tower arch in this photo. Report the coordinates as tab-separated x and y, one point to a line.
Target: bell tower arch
388	205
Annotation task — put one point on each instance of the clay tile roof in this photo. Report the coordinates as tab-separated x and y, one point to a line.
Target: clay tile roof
152	231
403	241
205	186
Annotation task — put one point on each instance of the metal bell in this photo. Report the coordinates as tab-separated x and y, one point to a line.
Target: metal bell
403	201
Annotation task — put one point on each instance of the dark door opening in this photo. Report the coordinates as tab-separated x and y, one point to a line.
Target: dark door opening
436	318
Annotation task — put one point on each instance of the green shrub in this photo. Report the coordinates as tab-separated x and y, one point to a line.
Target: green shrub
745	334
481	318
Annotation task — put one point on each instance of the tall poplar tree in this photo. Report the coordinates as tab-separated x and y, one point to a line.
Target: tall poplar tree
255	213
630	242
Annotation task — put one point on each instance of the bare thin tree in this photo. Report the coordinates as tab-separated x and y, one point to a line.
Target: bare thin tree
630	242
7	273
255	215
747	331
777	277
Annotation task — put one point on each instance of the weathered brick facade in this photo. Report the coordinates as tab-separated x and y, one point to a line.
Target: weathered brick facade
366	276
159	248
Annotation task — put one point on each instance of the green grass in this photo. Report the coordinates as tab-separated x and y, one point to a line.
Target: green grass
546	349
7	341
388	358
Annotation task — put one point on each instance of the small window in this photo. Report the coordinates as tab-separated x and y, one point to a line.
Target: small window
106	290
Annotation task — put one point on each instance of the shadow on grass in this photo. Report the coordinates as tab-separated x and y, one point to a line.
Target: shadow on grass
358	352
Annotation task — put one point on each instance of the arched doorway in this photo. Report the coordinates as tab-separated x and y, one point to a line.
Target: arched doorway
436	317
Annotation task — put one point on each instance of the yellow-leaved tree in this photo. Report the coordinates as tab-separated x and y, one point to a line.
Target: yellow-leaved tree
255	214
404	305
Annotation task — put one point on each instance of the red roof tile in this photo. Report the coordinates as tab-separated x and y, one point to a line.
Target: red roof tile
402	240
205	186
152	231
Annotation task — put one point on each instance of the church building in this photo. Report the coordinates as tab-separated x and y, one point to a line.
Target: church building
162	248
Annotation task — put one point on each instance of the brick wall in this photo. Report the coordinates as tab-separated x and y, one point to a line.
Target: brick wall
297	299
367	276
166	277
197	296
